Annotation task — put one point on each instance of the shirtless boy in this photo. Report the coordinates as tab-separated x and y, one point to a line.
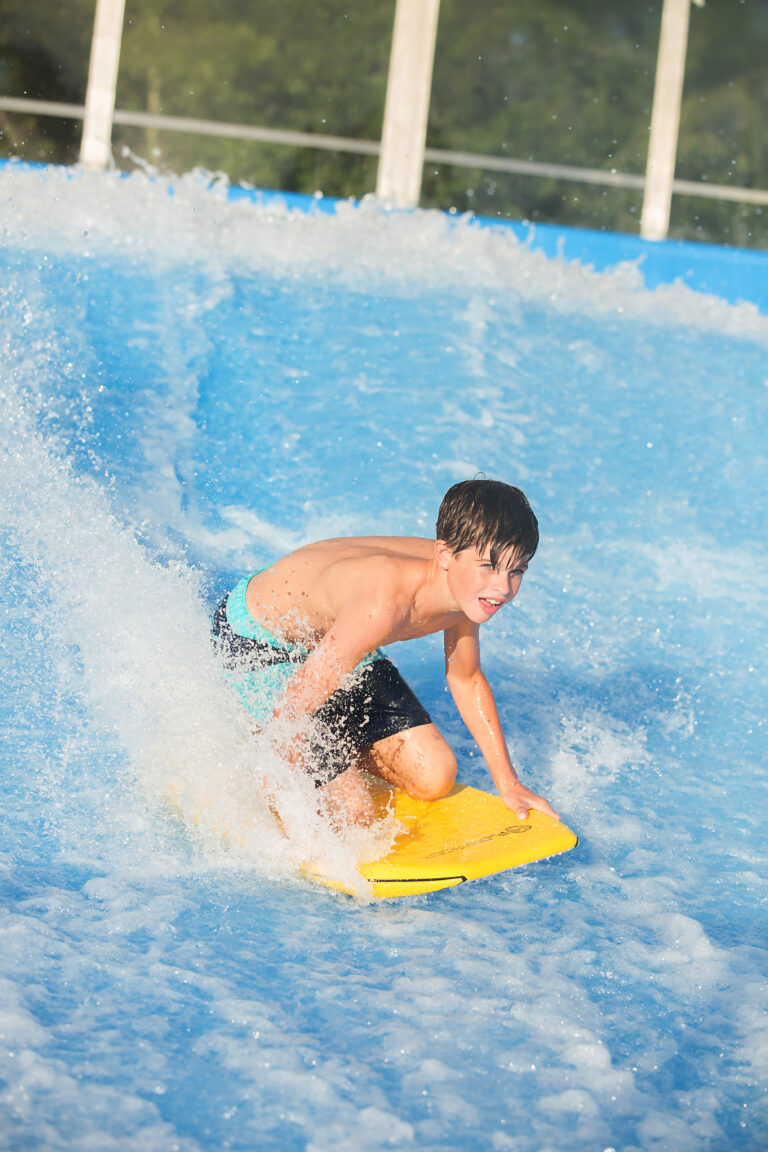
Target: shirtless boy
300	640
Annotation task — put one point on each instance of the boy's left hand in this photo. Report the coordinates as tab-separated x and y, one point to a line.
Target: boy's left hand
520	799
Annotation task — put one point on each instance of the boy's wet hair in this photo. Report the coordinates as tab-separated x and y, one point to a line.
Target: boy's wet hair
479	513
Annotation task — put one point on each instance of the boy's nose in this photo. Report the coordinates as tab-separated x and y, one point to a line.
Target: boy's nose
513	586
504	587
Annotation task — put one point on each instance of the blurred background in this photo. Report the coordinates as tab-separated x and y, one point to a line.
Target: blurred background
560	82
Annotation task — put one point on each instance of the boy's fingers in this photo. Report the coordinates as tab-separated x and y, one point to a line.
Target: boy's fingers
538	803
547	809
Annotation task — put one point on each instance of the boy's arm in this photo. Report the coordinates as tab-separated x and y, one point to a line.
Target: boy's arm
362	626
357	631
477	707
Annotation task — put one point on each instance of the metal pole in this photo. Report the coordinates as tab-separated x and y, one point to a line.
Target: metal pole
665	119
409	84
95	147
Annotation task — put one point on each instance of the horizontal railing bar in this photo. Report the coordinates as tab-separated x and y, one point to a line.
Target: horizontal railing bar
719	191
248	132
42	107
534	168
200	127
372	148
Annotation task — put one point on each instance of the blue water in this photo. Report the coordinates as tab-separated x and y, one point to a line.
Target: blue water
192	386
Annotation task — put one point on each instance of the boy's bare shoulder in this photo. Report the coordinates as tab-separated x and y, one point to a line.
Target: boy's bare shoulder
313	586
363	554
379	562
383	548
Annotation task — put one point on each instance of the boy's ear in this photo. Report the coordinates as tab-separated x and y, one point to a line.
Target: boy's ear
443	553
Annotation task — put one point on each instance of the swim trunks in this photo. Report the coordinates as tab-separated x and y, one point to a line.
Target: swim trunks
374	703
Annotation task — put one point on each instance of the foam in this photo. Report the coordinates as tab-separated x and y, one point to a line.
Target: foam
175	222
142	633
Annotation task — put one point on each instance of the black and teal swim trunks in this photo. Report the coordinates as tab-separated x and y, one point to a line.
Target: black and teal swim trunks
377	702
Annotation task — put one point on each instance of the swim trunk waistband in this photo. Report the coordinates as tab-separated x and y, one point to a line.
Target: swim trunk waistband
244	624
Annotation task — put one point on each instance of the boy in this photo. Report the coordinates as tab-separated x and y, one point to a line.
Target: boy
300	640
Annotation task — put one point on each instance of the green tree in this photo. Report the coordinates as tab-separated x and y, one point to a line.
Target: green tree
280	63
44	50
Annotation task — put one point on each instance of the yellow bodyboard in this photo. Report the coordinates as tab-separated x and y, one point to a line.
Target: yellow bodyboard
466	835
441	843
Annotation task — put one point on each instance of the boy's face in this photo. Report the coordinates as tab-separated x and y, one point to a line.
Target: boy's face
479	588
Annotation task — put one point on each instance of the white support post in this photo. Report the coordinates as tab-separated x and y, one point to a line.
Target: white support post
665	119
409	85
95	147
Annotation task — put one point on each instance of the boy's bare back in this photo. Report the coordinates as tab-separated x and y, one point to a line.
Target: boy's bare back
301	596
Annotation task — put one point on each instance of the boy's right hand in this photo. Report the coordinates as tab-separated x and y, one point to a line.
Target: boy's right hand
521	799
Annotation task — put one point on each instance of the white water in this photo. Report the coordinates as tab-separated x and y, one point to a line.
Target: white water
192	386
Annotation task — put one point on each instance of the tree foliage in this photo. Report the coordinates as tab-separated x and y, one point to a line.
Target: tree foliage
559	81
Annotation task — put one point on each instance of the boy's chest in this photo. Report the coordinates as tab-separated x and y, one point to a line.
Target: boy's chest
413	626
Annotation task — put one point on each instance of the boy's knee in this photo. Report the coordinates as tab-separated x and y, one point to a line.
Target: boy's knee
438	776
